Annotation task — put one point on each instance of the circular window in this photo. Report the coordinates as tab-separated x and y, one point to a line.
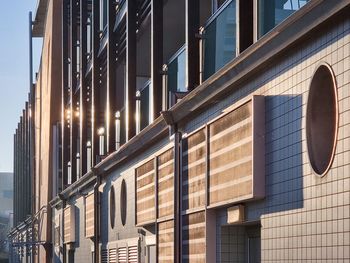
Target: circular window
322	119
123	202
112	206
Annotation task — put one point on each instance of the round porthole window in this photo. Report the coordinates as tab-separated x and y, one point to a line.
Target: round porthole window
123	202
322	119
112	206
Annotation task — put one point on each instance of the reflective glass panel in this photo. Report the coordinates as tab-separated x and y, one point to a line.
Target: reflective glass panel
273	12
220	40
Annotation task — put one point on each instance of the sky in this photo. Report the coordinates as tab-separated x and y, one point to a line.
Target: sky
14	71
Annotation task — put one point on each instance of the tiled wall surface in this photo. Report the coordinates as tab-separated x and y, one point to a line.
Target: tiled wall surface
304	217
233	245
82	245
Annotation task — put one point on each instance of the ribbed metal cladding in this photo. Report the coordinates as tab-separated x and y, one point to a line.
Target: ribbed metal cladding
22	170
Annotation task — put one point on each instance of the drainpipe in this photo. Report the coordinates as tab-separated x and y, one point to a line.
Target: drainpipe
62	229
31	129
97	215
173	128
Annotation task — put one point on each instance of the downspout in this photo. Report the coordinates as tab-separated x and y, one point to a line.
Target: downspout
62	229
173	129
97	215
31	130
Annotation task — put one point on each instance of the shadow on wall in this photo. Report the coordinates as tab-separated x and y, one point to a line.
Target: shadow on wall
77	228
283	157
284	177
105	213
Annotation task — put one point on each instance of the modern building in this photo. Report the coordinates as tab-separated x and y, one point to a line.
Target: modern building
192	131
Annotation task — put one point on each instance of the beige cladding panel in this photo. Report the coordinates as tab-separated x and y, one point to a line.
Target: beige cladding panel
47	113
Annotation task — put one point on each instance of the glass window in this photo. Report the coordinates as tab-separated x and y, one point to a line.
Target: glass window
176	73
103	14
273	12
145	109
220	40
89	34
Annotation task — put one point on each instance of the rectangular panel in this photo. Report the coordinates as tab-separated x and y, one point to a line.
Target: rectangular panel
193	238
145	193
166	242
69	227
194	170
231	154
166	184
89	215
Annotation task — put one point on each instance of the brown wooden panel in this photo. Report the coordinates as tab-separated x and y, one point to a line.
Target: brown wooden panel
69	224
166	184
90	215
166	242
193	238
193	170
231	156
145	193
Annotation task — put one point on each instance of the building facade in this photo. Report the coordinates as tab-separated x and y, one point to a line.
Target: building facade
195	131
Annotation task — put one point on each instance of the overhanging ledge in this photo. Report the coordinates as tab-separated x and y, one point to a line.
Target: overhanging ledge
39	19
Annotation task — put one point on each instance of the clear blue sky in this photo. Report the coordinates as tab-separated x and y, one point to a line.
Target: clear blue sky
14	71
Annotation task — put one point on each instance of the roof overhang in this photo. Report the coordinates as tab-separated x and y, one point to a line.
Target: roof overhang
39	19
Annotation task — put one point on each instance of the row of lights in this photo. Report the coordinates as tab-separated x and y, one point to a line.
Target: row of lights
101	134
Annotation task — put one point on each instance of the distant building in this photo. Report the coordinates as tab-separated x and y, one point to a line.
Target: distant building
187	131
6	211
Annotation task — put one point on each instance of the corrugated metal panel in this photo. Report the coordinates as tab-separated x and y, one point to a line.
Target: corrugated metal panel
166	184
194	170
145	193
